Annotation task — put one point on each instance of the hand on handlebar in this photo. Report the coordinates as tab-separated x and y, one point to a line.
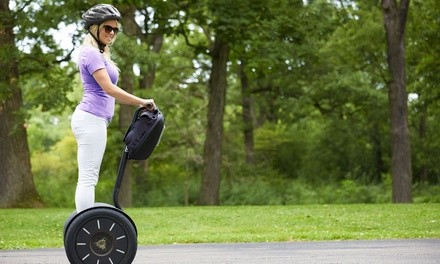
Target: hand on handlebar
150	105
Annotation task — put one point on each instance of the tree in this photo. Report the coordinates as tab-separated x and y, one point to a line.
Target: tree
423	80
17	188
247	117
32	76
127	83
210	189
229	18
140	41
395	16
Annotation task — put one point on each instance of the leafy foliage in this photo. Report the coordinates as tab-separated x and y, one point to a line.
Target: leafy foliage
319	104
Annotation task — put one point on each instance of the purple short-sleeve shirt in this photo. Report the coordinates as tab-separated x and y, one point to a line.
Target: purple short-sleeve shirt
95	100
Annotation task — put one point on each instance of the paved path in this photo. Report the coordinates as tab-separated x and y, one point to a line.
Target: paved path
411	251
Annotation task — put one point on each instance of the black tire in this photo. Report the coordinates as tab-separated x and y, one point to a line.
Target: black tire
101	235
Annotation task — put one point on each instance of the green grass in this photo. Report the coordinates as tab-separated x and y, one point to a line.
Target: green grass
43	228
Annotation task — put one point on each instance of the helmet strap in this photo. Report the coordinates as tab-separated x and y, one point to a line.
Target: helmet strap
100	44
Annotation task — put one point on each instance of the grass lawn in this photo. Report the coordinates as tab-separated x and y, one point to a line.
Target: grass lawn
43	228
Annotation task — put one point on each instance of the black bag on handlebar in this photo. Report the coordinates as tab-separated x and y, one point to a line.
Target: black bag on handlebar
144	133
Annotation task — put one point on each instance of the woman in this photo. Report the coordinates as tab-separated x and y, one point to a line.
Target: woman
91	117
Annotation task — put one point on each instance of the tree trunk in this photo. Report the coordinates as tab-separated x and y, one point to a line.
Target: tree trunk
148	76
210	189
125	117
131	29
423	176
17	187
395	19
126	111
248	124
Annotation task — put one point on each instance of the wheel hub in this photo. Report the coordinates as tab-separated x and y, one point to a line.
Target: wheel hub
101	244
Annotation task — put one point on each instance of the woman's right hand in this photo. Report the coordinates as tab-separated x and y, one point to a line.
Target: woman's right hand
149	104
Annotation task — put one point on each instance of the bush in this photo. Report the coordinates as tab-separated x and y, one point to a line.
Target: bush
55	173
425	193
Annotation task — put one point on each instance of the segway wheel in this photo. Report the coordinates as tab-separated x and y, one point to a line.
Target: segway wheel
100	236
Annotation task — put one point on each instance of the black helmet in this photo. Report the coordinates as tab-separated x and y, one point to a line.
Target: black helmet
100	13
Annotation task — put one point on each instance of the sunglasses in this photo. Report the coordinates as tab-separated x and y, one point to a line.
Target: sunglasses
108	29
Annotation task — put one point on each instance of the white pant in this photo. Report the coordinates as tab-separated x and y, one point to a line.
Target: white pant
91	135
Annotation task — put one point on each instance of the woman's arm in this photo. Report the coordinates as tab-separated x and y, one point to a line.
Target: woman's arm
102	78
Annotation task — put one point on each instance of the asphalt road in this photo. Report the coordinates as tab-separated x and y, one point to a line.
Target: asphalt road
414	251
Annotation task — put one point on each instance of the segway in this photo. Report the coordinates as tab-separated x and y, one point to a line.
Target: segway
105	233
